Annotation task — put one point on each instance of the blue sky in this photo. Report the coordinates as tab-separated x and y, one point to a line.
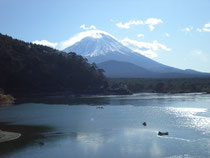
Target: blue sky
176	33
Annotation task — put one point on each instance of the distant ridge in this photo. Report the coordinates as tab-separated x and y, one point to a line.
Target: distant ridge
99	46
119	69
106	51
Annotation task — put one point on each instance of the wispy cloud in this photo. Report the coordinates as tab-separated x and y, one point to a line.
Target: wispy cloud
140	35
91	27
199	30
200	55
187	29
129	23
167	34
148	49
205	28
81	35
45	43
151	22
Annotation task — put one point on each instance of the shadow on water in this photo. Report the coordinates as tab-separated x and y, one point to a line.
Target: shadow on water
135	100
142	99
30	135
65	100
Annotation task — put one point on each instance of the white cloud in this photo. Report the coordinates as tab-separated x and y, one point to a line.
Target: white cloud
78	37
45	43
91	27
153	21
151	27
205	28
140	35
187	29
145	48
199	30
167	34
150	21
128	24
207	25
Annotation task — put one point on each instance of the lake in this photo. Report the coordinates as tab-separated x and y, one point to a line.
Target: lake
77	128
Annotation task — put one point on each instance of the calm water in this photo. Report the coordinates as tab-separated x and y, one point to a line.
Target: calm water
77	129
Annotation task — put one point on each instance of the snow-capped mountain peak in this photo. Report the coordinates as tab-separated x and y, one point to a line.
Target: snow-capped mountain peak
95	43
99	46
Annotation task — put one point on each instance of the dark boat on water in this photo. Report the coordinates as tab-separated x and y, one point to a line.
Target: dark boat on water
162	133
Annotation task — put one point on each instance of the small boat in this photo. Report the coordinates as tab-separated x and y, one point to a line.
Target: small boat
162	133
144	124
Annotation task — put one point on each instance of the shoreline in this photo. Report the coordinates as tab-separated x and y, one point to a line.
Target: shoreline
8	136
51	95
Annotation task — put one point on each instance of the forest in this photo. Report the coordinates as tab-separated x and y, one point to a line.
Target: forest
176	85
30	69
27	68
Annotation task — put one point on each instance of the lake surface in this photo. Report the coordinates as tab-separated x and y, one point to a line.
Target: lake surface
76	128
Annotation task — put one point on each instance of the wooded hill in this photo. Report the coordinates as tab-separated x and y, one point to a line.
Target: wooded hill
30	68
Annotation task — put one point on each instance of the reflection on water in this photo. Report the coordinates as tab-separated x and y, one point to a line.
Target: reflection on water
141	99
192	118
65	100
80	130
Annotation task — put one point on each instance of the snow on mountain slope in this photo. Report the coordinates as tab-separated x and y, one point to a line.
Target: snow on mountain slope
97	43
98	46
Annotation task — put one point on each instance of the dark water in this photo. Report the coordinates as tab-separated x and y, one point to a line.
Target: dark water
76	128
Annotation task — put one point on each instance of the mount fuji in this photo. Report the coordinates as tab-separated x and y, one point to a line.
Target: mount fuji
107	52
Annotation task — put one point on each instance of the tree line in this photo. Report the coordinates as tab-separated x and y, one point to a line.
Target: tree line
176	85
29	68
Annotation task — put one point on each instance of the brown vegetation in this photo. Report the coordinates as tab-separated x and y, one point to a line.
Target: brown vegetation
6	99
